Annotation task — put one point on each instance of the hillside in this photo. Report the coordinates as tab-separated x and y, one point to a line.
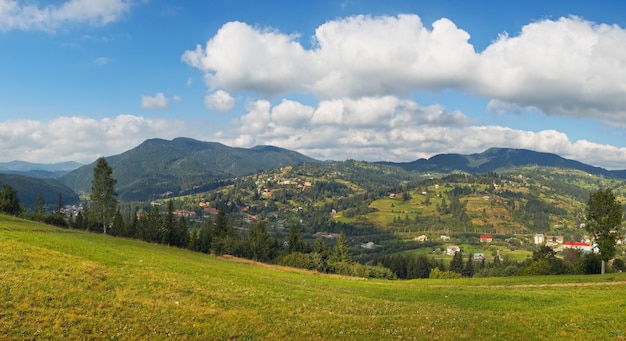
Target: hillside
65	284
181	165
27	189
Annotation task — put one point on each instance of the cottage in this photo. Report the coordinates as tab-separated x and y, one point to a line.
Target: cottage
444	238
486	238
539	238
479	257
452	249
421	238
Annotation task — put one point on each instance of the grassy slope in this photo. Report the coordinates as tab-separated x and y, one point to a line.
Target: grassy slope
63	284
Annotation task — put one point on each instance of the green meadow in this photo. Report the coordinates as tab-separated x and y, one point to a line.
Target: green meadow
64	284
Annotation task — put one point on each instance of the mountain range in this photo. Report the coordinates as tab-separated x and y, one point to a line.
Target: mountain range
158	166
495	159
182	165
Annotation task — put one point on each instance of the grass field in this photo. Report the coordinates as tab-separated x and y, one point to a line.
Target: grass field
64	284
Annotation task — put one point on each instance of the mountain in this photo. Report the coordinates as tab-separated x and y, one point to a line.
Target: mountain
495	159
39	170
28	188
158	166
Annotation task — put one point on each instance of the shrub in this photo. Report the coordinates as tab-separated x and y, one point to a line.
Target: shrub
438	274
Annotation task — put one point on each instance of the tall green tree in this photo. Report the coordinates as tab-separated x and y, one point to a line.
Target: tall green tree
9	201
39	206
456	264
468	270
103	195
296	240
59	206
603	220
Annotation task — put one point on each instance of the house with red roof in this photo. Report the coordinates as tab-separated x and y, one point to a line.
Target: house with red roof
486	238
585	247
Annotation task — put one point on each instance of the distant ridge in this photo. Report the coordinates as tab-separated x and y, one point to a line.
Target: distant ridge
157	166
495	159
39	170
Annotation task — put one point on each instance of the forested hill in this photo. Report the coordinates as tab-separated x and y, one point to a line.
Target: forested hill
158	166
495	159
28	188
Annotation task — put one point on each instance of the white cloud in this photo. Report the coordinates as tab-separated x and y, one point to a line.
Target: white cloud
26	16
84	139
568	67
220	100
407	131
81	139
158	101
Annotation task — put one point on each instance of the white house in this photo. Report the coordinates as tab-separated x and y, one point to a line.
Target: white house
539	238
452	249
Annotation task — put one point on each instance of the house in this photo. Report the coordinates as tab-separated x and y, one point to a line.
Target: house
210	210
421	238
444	238
539	238
184	213
584	247
486	238
369	245
452	249
479	257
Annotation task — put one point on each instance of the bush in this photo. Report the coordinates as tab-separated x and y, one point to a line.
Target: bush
438	274
592	263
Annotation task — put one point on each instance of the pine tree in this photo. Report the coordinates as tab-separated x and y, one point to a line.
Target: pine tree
341	251
59	206
9	201
456	264
296	240
468	270
103	195
39	206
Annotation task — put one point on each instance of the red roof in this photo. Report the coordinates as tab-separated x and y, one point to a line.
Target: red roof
575	244
486	236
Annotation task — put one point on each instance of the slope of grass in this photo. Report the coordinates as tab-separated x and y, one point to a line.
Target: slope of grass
63	284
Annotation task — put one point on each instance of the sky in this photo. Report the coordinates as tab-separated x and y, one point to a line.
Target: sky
335	80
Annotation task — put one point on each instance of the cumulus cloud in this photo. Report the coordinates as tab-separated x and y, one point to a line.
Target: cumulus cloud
405	131
220	100
568	66
26	16
158	101
79	138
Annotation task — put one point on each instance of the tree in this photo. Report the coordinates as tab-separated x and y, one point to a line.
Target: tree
468	270
103	195
296	240
39	206
456	265
341	252
9	202
59	207
603	220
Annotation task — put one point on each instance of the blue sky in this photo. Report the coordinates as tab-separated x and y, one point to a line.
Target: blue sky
366	80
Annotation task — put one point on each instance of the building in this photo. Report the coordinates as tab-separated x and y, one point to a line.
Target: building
539	238
584	247
486	238
452	249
